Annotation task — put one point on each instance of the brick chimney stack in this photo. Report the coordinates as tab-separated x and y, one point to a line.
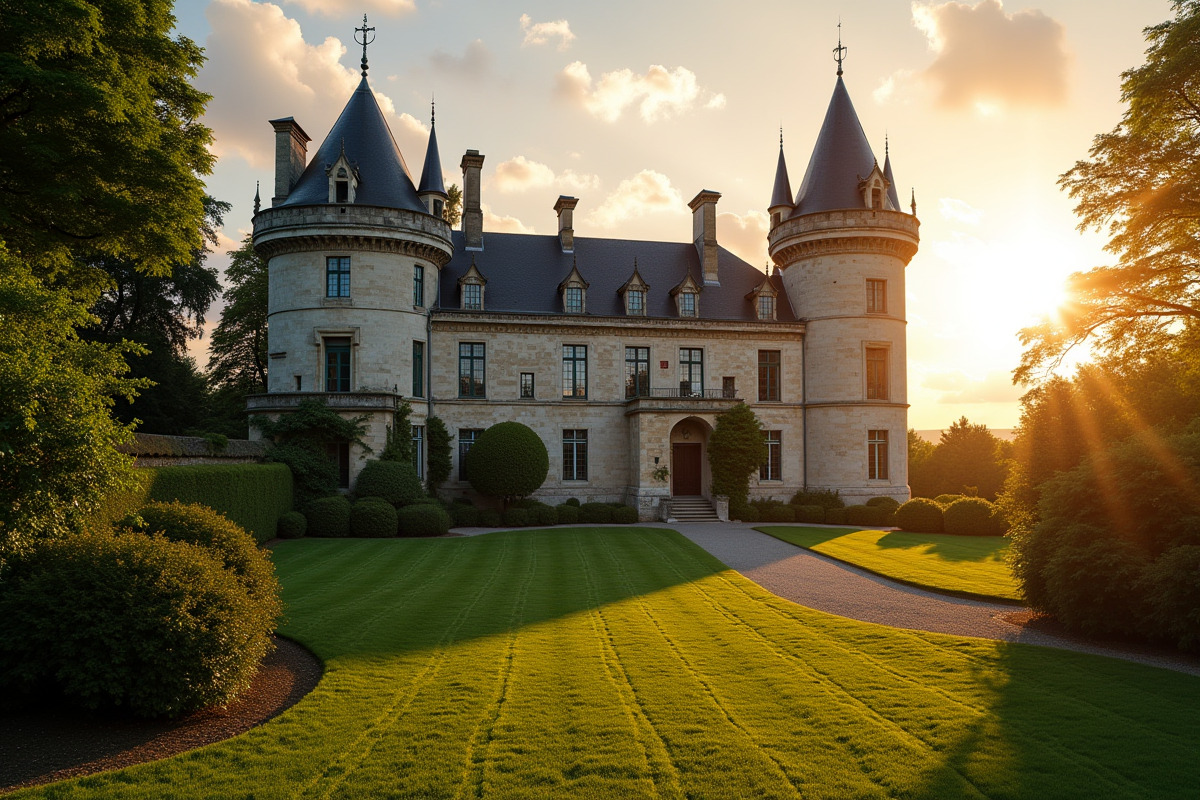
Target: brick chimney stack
291	155
704	232
565	208
472	213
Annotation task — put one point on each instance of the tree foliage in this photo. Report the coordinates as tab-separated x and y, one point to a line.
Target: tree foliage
398	442
452	211
439	441
968	459
237	352
735	449
919	476
1139	186
103	137
300	438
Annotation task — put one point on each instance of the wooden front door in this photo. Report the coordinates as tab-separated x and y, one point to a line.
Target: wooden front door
685	469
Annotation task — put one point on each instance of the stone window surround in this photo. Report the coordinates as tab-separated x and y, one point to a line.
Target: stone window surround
876	295
877	455
772	468
877	358
575	454
320	335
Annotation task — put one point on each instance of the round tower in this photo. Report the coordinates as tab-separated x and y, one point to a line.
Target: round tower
842	246
354	255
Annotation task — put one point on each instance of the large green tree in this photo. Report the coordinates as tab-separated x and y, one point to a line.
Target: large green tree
968	459
237	352
1140	186
102	135
735	449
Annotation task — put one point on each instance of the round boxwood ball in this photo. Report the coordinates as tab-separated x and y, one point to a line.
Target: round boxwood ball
329	516
423	519
291	525
920	515
973	516
373	518
394	481
567	514
508	460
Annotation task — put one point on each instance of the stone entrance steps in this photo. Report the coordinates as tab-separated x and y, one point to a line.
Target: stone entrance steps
692	509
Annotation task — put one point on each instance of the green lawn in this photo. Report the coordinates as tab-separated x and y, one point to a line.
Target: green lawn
627	662
972	565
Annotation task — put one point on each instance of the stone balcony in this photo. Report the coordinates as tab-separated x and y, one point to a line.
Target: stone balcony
277	402
681	399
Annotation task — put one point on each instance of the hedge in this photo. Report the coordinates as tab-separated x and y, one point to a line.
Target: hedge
329	516
254	496
810	513
423	519
568	514
292	525
873	516
920	515
394	481
595	513
625	515
973	516
373	518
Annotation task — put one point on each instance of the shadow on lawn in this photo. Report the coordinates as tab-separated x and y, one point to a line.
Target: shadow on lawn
1068	725
947	547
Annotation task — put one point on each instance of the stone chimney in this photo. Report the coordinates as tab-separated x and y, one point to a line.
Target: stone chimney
565	208
704	232
291	155
472	213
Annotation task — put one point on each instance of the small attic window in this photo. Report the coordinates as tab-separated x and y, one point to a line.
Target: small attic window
635	303
877	197
766	307
687	304
343	181
573	300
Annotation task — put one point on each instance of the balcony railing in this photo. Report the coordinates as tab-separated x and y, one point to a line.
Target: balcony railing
682	393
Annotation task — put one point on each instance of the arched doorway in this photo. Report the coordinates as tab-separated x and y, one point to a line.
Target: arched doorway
688	467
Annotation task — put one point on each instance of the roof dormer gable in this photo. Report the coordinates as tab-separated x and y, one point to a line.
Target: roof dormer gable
874	190
343	179
763	296
633	292
573	291
687	296
471	288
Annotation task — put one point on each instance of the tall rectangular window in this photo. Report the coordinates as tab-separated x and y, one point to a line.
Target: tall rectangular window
419	286
691	371
418	450
337	364
472	296
575	454
876	296
637	371
573	299
418	367
687	304
768	374
574	370
766	306
636	299
772	468
877	373
877	455
337	276
526	385
466	438
471	370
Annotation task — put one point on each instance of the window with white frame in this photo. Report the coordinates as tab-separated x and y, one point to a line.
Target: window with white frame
418	450
877	455
772	468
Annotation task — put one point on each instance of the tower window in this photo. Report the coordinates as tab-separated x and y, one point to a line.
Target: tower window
877	373
337	276
418	286
876	296
877	455
337	364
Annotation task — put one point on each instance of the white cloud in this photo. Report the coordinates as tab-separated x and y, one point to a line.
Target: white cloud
543	32
960	388
495	223
260	67
574	181
744	235
336	8
518	174
987	59
658	94
473	63
959	211
647	192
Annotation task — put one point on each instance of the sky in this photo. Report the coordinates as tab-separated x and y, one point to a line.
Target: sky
634	107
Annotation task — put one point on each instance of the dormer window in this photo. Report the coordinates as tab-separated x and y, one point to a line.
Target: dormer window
343	180
342	187
763	296
687	304
634	292
470	287
573	291
687	297
874	190
766	307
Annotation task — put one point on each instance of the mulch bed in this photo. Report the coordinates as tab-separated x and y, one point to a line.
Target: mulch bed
42	746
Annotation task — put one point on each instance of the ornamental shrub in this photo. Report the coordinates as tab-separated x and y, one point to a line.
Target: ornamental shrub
229	543
489	518
835	516
920	515
625	515
890	503
373	518
973	516
394	481
774	511
745	512
508	461
825	498
516	517
567	514
131	621
735	449
423	519
1095	587
292	525
463	516
573	501
329	516
873	516
541	513
809	513
1172	588
944	500
595	513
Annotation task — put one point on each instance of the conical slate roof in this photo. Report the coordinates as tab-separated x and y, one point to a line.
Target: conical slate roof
887	173
431	173
840	159
781	195
363	133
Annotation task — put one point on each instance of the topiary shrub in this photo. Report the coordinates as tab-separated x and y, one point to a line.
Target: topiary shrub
944	500
423	520
567	514
329	516
394	481
920	515
373	518
595	513
292	525
227	541
625	515
518	518
973	516
489	518
825	498
809	513
464	516
891	504
508	461
543	514
131	621
873	516
745	512
835	516
775	511
572	501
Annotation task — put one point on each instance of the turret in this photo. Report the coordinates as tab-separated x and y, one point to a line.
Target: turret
432	190
781	195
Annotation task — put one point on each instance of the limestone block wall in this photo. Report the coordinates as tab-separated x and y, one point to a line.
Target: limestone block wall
837	441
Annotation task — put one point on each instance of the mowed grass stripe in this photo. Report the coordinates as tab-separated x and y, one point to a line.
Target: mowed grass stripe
629	663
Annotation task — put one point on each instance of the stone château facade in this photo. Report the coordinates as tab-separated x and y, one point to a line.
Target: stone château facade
620	354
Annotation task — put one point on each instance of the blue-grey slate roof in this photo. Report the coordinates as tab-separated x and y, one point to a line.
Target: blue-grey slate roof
887	173
431	173
523	272
781	194
842	156
384	179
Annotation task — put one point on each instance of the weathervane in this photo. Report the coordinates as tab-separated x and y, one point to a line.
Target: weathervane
364	30
839	52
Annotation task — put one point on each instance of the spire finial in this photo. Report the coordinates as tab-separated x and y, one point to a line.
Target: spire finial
257	200
886	154
432	110
364	30
839	52
914	201
780	137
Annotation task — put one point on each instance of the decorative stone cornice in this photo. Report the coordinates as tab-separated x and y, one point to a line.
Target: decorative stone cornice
790	252
293	229
849	231
353	242
455	321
